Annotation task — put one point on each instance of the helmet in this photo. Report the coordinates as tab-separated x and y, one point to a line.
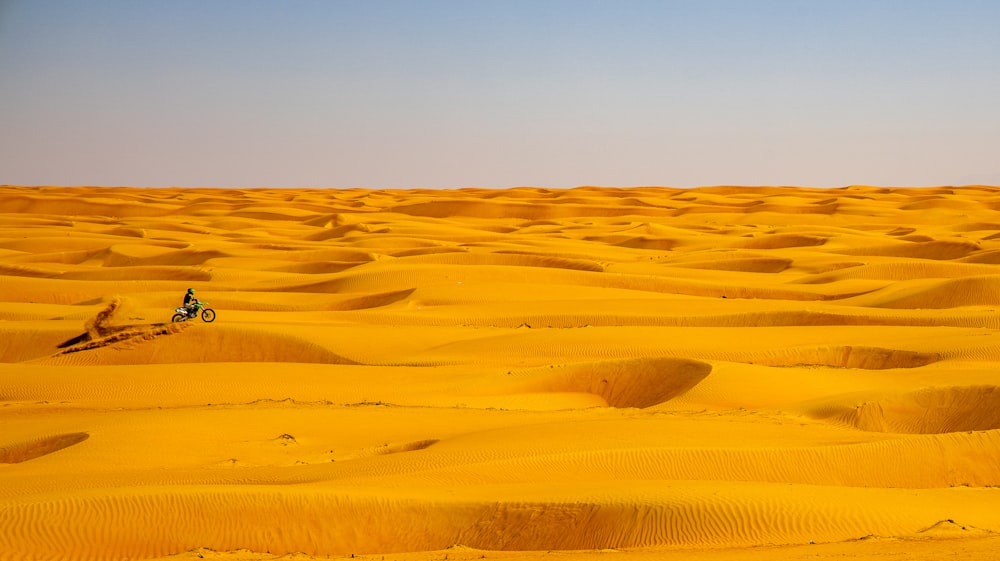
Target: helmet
190	291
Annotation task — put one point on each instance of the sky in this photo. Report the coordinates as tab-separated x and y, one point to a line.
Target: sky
479	93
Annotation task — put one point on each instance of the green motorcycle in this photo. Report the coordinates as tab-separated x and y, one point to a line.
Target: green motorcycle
184	314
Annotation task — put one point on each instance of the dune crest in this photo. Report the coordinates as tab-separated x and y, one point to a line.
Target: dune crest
931	411
24	451
621	383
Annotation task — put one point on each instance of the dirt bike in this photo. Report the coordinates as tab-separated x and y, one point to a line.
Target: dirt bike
184	314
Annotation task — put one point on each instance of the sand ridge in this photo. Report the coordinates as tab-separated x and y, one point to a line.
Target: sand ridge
717	373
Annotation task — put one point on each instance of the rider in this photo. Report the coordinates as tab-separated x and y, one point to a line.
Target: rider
189	303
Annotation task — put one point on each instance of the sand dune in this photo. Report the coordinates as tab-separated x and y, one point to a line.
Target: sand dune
644	373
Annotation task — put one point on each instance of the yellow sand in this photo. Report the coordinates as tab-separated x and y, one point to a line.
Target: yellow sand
627	374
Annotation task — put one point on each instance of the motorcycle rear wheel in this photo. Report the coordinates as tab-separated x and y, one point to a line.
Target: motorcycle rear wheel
178	318
208	315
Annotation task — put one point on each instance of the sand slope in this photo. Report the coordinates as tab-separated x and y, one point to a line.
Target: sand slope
715	373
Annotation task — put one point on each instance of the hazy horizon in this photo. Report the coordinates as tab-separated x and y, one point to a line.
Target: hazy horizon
450	94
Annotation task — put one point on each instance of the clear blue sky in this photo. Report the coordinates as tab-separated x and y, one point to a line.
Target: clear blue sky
460	93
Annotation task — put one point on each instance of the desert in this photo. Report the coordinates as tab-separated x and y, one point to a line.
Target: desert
713	373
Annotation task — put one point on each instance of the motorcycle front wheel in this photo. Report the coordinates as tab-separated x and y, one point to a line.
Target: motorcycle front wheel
208	315
178	317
